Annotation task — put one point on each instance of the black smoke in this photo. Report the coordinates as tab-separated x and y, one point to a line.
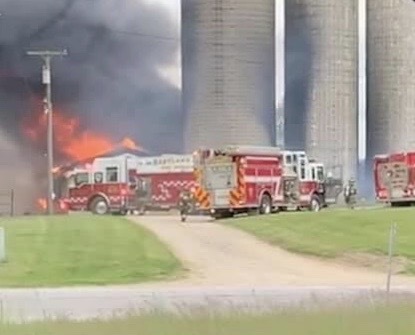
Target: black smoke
298	63
111	78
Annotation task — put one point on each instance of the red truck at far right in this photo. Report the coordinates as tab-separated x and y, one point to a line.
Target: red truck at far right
394	177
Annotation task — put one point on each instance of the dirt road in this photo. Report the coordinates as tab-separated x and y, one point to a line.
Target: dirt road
217	255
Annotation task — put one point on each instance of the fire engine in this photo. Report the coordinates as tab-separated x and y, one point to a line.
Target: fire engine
109	184
394	177
244	179
165	177
101	186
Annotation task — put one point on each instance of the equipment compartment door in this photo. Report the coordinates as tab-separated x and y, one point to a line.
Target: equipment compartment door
291	188
143	190
333	188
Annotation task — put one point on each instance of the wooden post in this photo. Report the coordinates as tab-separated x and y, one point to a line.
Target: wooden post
2	245
12	203
392	235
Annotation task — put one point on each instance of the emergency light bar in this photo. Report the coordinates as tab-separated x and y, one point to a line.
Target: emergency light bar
251	150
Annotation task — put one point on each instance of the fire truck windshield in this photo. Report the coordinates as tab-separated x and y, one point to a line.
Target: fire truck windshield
81	178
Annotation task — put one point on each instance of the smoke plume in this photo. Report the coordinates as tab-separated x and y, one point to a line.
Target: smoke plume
111	79
298	62
16	176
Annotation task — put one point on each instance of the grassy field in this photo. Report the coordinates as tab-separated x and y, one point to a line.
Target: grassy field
397	320
335	233
78	249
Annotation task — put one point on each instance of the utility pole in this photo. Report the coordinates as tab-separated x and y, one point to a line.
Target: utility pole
46	79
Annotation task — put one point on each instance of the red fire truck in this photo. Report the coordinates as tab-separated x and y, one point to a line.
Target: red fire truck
165	177
108	184
394	177
102	185
241	179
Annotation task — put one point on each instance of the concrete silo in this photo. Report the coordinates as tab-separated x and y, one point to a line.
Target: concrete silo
228	72
321	78
390	76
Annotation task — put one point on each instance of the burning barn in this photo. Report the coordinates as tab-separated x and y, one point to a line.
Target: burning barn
112	77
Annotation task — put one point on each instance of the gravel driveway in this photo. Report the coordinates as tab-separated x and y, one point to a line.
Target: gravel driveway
220	255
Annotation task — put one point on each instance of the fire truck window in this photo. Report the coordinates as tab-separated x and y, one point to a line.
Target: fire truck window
132	179
71	182
98	176
302	172
313	173
295	159
81	178
320	173
112	174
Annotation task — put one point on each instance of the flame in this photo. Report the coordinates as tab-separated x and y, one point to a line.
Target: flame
128	143
69	138
56	169
42	203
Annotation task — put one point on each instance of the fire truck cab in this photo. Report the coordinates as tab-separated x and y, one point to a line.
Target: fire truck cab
243	179
102	186
394	177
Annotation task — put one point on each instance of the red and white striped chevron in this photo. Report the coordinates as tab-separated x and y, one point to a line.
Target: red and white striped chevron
168	189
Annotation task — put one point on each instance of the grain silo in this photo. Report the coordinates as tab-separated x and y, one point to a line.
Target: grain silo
321	109
228	72
391	76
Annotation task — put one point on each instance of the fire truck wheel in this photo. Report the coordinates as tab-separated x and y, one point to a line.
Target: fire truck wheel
315	204
266	205
99	206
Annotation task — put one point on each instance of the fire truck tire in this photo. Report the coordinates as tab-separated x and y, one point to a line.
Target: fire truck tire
99	206
265	206
315	203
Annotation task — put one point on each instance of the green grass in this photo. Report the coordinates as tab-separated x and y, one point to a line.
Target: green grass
82	249
397	320
334	233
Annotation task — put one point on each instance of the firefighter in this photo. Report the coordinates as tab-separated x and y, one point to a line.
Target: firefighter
141	192
185	203
350	193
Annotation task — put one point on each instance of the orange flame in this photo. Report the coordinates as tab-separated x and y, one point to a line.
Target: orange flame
42	203
56	169
70	139
129	144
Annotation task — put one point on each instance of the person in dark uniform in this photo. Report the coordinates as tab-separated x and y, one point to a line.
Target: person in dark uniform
142	194
185	203
350	193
